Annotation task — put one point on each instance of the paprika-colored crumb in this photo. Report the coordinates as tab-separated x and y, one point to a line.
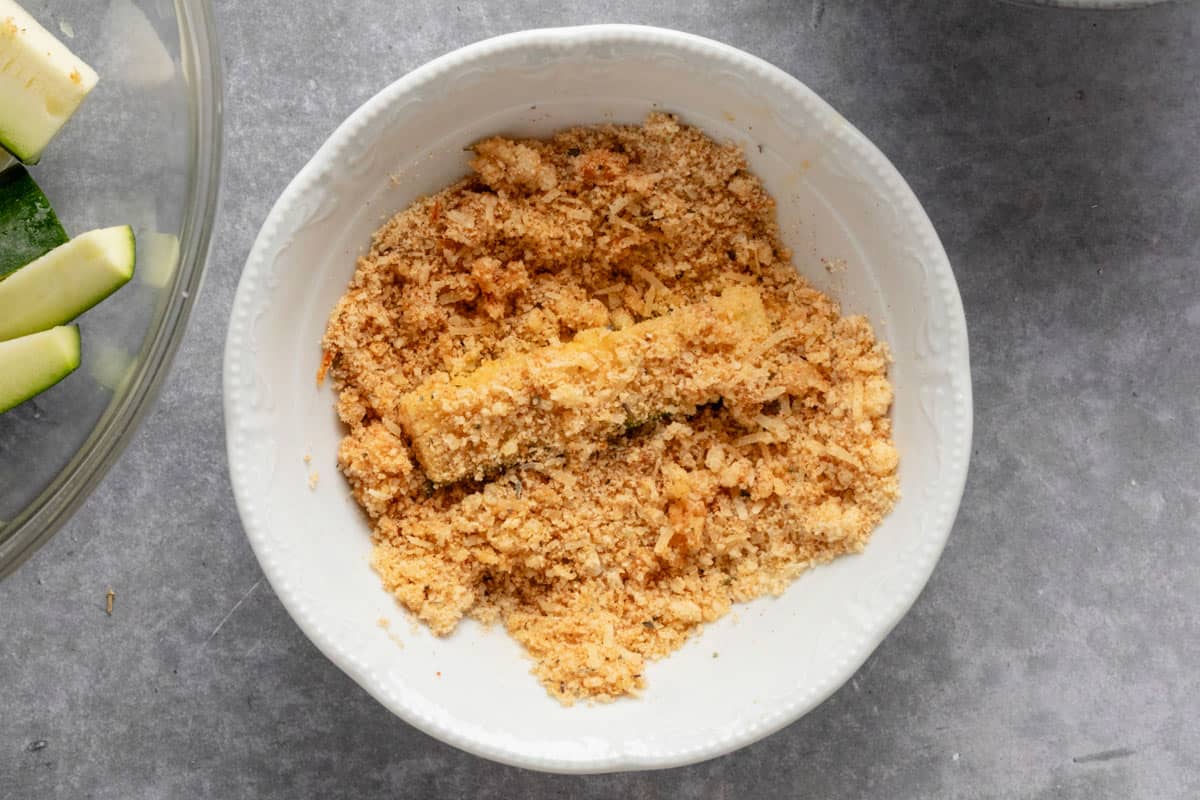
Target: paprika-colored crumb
600	558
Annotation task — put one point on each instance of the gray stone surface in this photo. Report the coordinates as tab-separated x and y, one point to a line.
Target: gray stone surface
1055	652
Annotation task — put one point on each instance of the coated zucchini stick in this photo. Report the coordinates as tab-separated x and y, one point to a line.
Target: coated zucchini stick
571	398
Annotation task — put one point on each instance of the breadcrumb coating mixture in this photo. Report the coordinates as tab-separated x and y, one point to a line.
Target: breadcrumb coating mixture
601	546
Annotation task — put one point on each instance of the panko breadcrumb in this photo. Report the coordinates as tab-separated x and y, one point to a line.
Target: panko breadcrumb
605	548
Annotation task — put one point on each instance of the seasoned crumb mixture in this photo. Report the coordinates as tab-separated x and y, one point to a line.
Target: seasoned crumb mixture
564	482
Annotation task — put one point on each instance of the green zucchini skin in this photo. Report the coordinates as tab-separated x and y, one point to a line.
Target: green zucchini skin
29	228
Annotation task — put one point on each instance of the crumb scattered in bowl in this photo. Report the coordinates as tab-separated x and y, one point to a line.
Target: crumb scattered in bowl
600	556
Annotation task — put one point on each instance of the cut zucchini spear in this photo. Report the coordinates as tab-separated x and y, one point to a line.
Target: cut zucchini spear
67	281
41	83
32	364
28	225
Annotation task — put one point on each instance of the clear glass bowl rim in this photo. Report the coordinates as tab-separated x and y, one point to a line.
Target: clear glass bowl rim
201	64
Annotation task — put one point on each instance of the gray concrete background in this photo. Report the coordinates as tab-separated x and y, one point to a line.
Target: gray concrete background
1055	652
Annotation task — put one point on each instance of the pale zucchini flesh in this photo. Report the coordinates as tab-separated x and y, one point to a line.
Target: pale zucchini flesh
42	83
32	364
67	281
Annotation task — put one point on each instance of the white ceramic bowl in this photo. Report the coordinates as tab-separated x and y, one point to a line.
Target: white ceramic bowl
839	198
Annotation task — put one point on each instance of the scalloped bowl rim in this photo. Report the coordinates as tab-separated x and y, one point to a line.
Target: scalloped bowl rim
424	715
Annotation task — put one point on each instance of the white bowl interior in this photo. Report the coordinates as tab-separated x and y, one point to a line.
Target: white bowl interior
839	202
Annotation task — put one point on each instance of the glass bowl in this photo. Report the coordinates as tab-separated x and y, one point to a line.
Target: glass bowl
145	150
